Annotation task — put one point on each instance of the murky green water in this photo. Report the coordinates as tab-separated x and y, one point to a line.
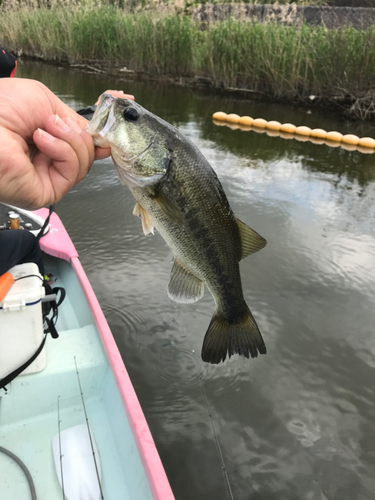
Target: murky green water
297	423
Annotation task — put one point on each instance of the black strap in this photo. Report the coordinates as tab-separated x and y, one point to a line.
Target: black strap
46	222
8	379
53	305
50	327
62	291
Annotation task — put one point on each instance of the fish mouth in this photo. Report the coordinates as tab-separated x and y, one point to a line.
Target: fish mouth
102	120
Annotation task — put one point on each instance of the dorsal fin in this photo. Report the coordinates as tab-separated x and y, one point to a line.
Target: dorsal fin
251	241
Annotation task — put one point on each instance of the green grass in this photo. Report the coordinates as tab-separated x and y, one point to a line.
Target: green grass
281	61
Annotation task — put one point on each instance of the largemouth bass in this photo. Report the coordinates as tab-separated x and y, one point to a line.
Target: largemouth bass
178	193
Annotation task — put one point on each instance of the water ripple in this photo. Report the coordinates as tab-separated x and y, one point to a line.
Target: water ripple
177	365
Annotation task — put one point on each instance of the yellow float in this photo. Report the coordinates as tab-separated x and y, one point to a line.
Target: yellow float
273	125
232	118
260	123
289	128
219	115
246	120
350	139
334	136
319	133
258	130
305	131
366	142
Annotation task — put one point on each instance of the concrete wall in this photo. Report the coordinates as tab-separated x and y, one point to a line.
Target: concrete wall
291	15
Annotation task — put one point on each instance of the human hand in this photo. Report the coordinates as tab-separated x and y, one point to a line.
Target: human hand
34	120
30	120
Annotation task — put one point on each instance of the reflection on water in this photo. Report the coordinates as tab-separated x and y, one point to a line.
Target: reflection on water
294	424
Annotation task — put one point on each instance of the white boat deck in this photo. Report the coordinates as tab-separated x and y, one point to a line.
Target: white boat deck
29	418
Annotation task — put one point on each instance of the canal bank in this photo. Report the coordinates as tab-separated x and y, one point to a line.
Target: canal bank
308	65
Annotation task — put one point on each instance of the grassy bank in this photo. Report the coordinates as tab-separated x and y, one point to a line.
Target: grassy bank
279	61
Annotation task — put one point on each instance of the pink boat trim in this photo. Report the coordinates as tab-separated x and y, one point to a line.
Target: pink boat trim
58	244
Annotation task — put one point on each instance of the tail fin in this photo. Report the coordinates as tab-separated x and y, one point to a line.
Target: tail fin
224	337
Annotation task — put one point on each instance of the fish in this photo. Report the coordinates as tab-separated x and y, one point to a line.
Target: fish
178	193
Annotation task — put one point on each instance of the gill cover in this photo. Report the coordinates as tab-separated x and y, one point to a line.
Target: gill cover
143	169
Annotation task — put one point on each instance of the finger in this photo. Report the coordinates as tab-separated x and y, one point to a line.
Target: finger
77	138
101	153
87	139
118	93
56	164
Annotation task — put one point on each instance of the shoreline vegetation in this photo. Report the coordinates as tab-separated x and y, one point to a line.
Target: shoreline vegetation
269	61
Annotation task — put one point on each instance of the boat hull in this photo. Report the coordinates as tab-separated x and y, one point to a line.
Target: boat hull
28	414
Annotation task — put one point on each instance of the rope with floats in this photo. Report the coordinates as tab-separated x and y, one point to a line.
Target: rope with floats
289	131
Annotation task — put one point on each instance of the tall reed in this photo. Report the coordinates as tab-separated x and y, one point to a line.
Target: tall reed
285	61
278	60
164	45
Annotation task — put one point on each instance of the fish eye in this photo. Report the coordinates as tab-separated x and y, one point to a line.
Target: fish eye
131	114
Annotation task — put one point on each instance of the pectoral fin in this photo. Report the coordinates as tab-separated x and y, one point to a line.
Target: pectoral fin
147	225
183	286
168	207
251	240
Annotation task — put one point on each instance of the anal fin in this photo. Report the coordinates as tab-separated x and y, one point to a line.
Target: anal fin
183	286
147	225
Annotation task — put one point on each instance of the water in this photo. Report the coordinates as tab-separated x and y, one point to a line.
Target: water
294	424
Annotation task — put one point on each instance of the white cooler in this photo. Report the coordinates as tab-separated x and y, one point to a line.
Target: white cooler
21	322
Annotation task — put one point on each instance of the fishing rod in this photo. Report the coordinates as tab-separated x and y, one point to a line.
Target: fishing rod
61	455
88	429
75	457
